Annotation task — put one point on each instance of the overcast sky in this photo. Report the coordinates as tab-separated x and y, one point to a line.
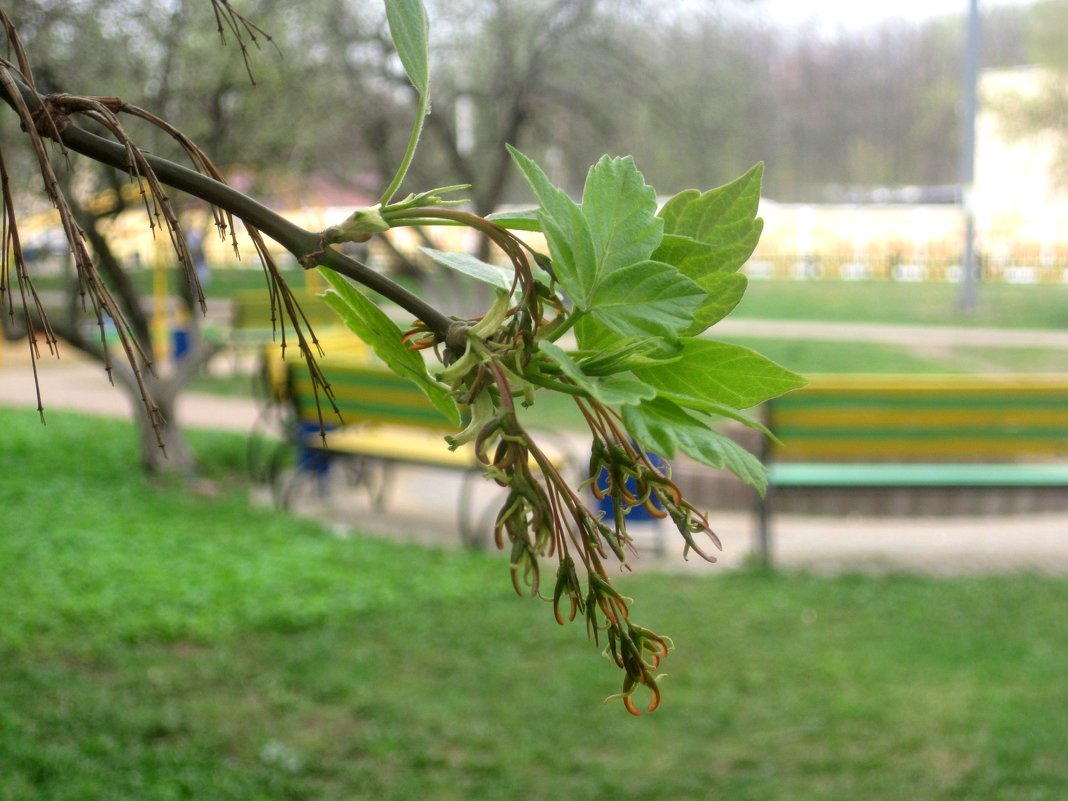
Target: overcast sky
832	14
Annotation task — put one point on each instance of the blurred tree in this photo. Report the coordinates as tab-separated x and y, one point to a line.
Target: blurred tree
704	113
1047	21
167	57
537	74
868	107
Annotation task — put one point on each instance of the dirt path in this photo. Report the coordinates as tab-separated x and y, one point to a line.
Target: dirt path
77	384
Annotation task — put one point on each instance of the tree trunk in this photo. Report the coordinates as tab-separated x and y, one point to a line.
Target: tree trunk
175	456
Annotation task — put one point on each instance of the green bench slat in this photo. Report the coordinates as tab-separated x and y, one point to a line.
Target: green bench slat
920	419
251	317
944	448
363	394
821	474
927	399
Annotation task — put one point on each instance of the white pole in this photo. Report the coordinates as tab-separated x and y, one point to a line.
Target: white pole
969	300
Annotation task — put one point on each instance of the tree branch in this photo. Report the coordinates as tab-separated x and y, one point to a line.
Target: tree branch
109	266
298	241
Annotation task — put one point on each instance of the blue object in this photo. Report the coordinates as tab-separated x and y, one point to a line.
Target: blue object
311	460
637	514
179	343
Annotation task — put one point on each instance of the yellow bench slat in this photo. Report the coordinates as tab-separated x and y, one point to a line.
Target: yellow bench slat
397	444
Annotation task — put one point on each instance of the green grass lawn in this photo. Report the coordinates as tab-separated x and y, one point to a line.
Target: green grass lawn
1000	305
161	643
929	303
809	356
222	282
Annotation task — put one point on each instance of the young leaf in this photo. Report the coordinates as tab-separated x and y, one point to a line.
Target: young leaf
612	390
471	267
567	232
730	413
695	259
525	220
410	29
719	216
623	356
710	374
620	209
710	236
661	426
725	291
647	299
692	258
712	269
372	325
675	207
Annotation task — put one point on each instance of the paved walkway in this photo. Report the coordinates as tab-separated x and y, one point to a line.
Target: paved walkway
74	383
942	545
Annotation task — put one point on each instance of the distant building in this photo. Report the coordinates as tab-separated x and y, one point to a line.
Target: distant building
914	234
1015	171
1021	206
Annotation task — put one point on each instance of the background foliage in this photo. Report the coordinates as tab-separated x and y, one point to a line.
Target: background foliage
709	92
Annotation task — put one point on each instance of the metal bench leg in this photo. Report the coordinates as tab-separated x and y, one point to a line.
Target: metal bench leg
469	534
380	498
280	478
285	483
763	532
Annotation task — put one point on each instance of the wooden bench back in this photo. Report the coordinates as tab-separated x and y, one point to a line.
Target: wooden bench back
923	418
251	310
364	393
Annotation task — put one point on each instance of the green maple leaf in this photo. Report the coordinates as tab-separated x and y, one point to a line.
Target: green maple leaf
707	375
372	325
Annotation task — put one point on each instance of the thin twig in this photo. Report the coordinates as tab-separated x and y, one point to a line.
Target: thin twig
241	27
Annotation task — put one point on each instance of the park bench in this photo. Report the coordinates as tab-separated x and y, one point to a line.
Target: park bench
916	432
250	317
249	331
385	420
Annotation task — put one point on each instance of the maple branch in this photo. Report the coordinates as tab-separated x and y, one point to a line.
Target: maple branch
298	241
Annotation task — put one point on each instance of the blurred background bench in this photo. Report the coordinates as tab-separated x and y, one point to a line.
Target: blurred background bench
850	433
